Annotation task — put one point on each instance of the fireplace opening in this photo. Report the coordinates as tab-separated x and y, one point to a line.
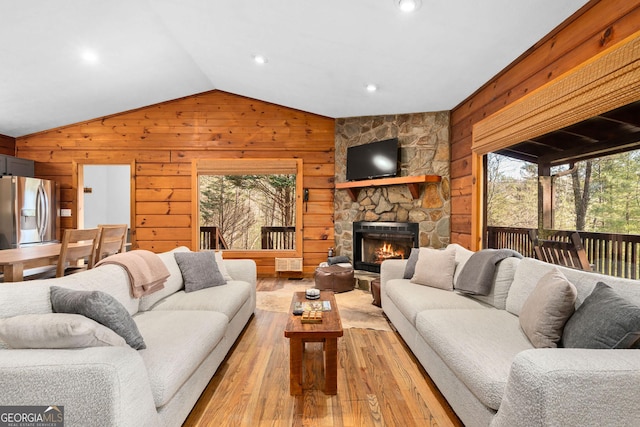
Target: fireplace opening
375	242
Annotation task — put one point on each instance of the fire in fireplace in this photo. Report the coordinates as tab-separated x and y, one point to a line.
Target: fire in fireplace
374	242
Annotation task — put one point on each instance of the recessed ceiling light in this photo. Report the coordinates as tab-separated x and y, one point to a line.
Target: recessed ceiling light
371	87
89	56
260	59
408	6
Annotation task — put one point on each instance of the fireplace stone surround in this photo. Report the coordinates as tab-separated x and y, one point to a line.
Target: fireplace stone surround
424	149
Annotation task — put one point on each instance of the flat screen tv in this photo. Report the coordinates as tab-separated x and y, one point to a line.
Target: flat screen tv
373	160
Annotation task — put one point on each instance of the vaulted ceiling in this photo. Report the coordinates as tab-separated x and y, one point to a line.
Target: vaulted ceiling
67	61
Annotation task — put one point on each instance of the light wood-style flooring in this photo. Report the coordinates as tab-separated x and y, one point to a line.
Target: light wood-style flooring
379	382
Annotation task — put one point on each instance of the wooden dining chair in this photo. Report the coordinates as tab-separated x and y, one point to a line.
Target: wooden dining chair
78	250
566	253
113	238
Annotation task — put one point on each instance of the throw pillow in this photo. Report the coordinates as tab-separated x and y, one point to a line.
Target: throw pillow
56	330
604	320
222	267
410	268
199	270
337	259
547	309
101	307
435	268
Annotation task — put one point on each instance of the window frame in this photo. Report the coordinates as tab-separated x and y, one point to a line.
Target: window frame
249	167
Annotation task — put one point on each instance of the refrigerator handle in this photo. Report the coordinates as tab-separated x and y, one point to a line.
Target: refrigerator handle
42	211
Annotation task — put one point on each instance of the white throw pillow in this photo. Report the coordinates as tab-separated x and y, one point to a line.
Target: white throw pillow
435	268
56	330
547	309
221	266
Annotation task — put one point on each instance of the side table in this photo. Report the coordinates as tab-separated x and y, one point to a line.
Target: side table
375	291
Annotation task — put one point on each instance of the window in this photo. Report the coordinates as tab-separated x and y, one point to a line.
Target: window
249	205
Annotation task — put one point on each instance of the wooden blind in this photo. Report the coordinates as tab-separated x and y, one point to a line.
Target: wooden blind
247	166
607	81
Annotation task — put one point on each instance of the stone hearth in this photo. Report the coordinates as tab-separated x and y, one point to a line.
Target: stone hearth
424	149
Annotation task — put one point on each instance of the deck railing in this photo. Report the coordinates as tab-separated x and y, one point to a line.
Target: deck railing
608	253
278	237
211	238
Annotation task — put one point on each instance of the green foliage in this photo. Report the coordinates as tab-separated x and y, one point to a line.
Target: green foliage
512	198
600	195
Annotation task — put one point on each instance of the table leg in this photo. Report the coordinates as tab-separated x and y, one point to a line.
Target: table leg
331	366
13	272
296	347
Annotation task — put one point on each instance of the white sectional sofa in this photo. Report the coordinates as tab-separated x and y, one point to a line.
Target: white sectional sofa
476	352
187	336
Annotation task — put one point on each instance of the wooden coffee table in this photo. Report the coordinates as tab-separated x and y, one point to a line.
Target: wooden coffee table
326	332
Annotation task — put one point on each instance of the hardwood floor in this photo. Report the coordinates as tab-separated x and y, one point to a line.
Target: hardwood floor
379	382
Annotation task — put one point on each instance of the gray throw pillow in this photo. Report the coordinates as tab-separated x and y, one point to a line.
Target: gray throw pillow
604	320
337	259
410	268
101	307
199	270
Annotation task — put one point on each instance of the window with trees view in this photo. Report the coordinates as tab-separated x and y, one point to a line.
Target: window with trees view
249	209
249	205
597	195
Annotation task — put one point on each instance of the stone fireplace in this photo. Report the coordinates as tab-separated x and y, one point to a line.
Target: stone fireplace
424	150
374	242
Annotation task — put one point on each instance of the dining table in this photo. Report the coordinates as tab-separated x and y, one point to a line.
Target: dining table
14	262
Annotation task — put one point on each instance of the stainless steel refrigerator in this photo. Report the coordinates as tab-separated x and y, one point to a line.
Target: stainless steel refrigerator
28	211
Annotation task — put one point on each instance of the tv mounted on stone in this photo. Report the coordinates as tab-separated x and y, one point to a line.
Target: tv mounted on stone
373	160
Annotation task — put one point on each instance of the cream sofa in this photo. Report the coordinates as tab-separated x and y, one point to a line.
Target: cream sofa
477	354
187	337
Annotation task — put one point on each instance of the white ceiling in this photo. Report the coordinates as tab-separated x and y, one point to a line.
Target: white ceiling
321	53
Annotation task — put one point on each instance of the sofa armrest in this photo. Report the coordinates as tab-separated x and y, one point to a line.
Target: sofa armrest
572	387
242	269
96	386
392	269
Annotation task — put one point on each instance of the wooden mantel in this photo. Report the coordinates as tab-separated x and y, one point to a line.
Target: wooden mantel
413	182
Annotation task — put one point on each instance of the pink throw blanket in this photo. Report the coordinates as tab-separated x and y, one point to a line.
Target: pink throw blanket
147	273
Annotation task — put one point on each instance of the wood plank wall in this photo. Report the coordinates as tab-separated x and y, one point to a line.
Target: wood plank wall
596	27
7	145
163	139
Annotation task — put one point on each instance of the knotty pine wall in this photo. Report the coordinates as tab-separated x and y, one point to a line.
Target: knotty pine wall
596	27
163	139
7	145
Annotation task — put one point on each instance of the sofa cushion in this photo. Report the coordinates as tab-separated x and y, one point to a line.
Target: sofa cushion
502	280
410	266
226	299
435	268
222	267
462	256
411	298
33	297
56	330
529	271
604	320
527	275
173	284
199	270
547	309
177	343
101	307
477	345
